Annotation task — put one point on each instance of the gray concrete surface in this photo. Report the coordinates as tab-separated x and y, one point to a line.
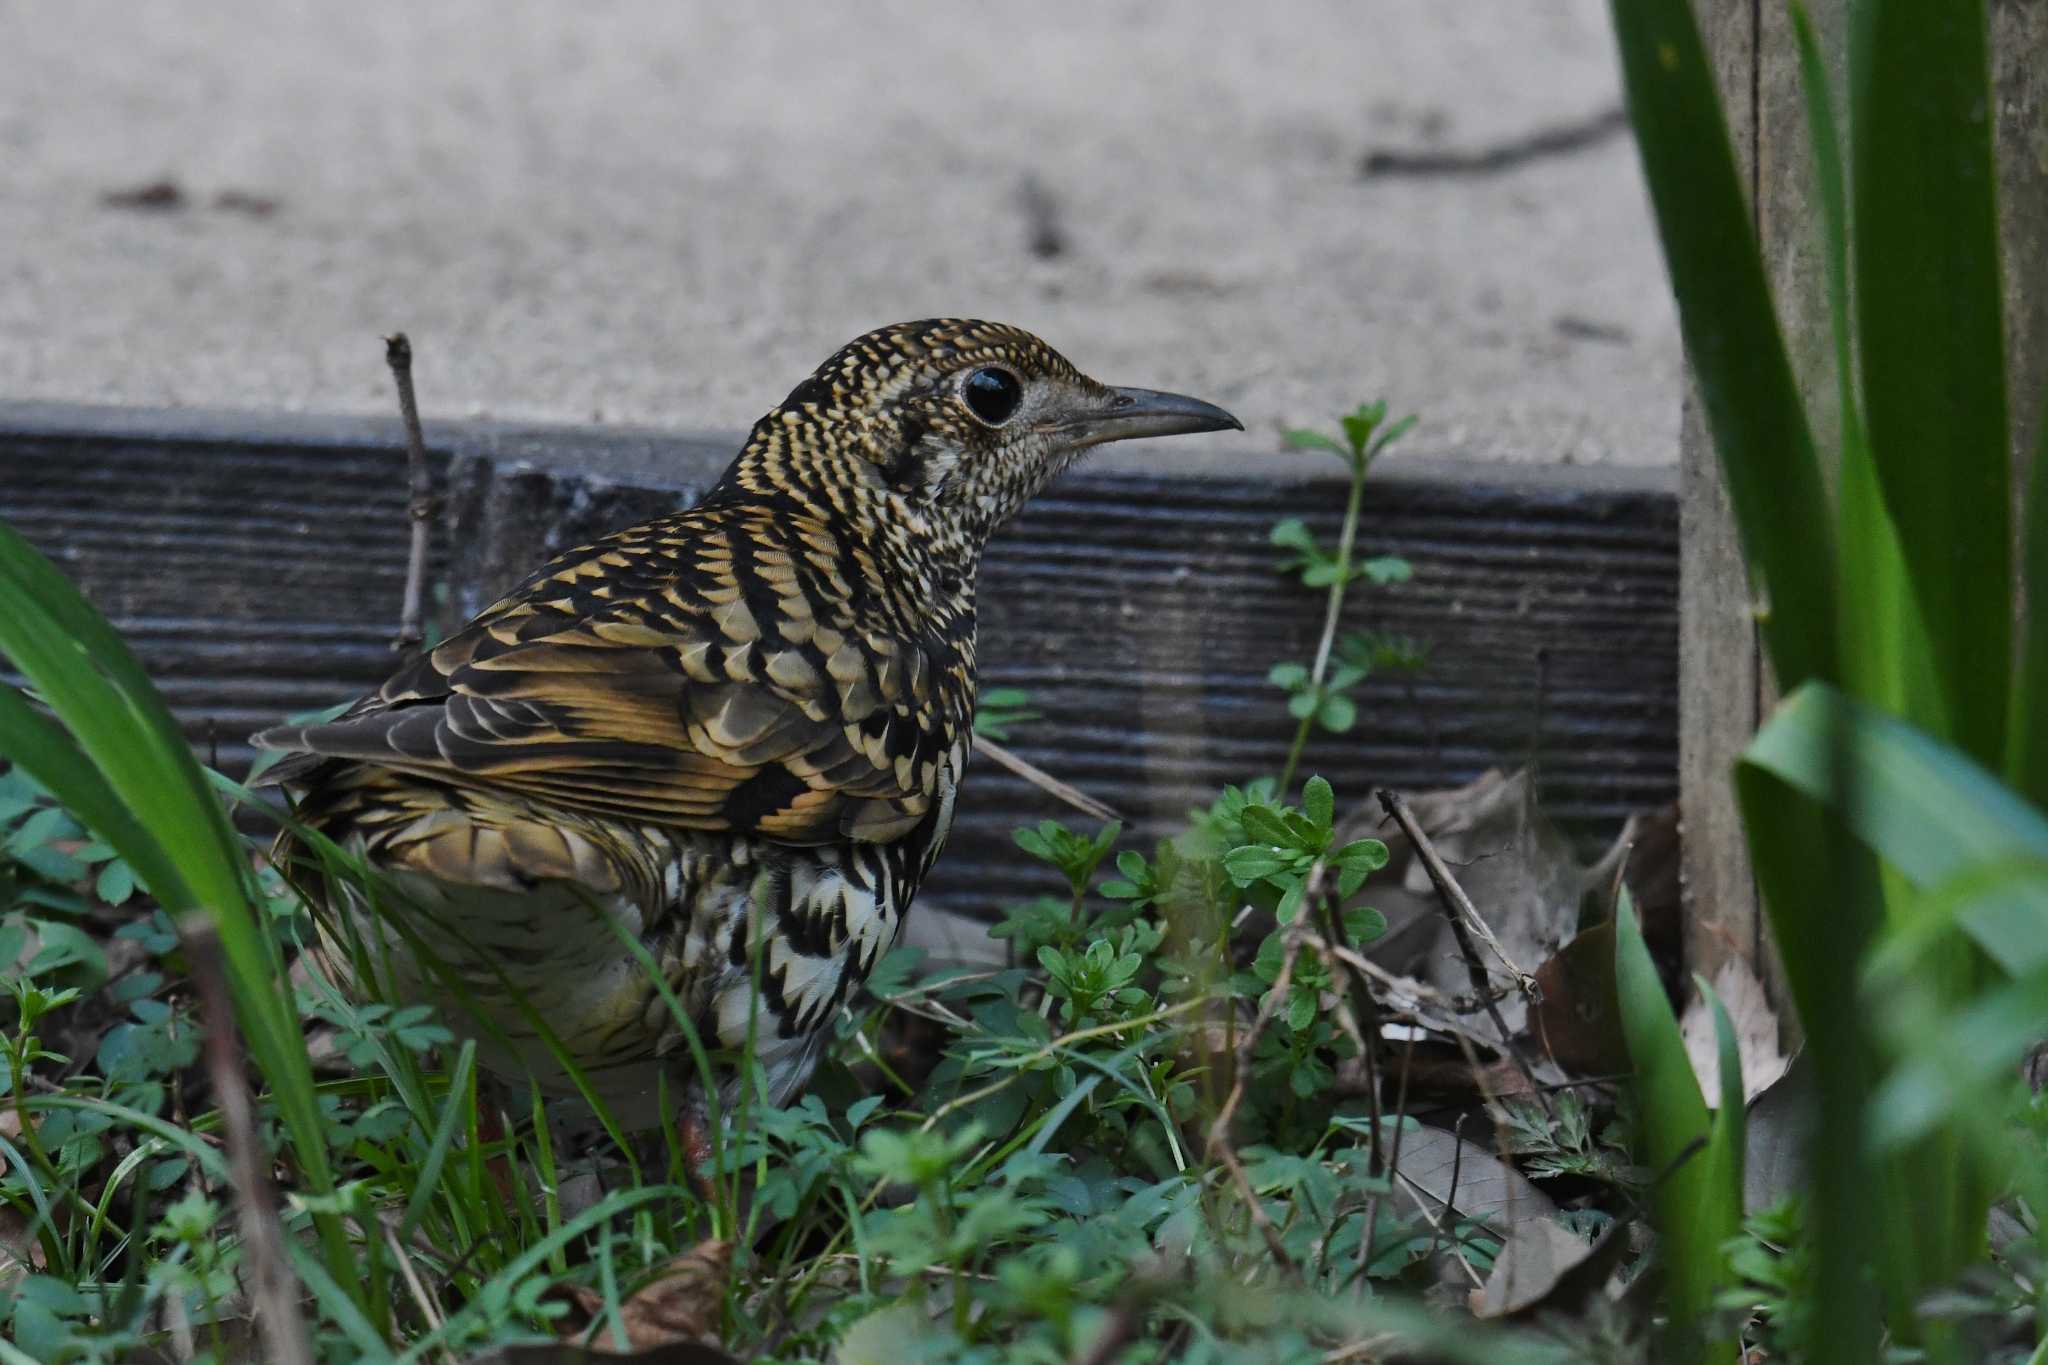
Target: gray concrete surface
665	214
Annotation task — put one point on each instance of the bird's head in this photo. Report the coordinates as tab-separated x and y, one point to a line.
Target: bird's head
964	421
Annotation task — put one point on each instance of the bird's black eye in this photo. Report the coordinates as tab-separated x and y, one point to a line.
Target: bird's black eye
992	395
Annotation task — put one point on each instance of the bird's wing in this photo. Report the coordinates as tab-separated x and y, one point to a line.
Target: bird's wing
663	693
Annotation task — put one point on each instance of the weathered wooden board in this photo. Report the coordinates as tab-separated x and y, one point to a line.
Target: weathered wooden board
258	567
1725	689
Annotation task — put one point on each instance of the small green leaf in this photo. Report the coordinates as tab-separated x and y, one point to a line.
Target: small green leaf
1364	924
1318	802
1363	855
1338	713
1301	1011
1264	825
1388	569
115	884
1253	862
1293	534
1359	426
1301	438
1289	908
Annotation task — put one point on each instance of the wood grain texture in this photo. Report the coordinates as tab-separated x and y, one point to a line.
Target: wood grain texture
1725	688
1719	655
258	566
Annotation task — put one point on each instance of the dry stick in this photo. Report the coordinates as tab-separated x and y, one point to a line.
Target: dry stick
1219	1131
1323	893
1046	782
1464	916
277	1309
1372	1206
420	508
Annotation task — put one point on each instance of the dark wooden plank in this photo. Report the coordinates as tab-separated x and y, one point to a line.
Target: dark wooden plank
1721	669
258	566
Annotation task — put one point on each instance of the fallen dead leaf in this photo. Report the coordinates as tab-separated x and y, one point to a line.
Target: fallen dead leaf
1775	1139
1529	1266
1518	870
683	1303
1756	1034
1444	1170
1578	1020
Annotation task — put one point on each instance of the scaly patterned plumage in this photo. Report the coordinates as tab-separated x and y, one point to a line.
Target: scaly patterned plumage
752	713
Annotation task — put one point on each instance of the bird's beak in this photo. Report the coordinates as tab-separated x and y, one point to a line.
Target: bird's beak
1123	414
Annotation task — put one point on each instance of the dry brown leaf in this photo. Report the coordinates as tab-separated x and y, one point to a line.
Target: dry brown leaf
683	1303
1756	1034
1444	1170
1778	1133
1518	870
1578	1020
1536	1256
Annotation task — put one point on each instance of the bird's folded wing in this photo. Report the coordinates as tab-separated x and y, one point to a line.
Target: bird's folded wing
652	711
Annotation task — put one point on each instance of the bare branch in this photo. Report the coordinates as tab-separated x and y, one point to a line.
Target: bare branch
422	505
1465	922
263	1255
1046	782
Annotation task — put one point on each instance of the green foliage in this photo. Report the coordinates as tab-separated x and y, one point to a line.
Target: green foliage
1047	1171
1901	872
1319	694
998	709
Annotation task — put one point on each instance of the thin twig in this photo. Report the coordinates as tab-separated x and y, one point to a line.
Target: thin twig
1277	992
429	1310
421	506
1322	892
1221	1149
1416	1195
1219	1131
1464	919
270	1283
1464	916
1047	783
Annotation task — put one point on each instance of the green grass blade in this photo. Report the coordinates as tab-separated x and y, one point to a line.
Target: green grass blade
1955	1064
91	680
1884	654
429	1182
1731	1113
43	751
1930	322
1752	401
1924	807
1696	1209
1823	905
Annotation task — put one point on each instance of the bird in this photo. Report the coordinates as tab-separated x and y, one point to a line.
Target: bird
727	742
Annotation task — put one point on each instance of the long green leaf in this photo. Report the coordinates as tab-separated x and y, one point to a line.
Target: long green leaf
1697	1208
1954	1064
1752	401
42	750
1884	654
1932	340
92	681
1820	892
1925	808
